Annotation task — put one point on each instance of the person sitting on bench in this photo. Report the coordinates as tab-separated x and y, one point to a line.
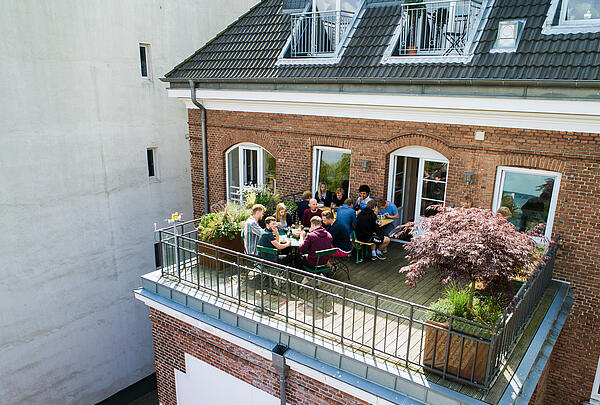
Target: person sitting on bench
270	239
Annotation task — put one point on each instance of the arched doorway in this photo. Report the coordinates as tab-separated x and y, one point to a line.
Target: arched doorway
417	179
248	164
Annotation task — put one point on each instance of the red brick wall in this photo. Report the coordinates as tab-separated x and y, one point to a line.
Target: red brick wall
173	338
290	139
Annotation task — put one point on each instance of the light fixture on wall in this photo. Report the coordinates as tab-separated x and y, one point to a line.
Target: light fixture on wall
366	164
469	177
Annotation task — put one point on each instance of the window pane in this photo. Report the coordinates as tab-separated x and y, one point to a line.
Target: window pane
335	170
399	182
150	159
269	170
435	171
527	196
250	167
434	190
143	61
426	203
582	10
350	5
233	172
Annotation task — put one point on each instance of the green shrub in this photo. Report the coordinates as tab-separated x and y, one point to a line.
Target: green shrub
225	223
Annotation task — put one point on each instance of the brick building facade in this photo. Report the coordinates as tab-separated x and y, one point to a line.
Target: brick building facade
291	138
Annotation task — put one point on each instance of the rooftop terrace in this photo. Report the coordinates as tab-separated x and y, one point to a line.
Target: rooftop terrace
372	325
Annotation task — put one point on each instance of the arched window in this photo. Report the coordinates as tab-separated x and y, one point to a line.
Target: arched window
248	164
417	179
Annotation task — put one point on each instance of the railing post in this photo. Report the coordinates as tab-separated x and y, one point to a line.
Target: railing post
314	304
239	279
410	324
287	294
176	237
374	324
343	312
262	300
217	268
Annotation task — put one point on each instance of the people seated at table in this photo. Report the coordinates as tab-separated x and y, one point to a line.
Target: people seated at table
346	215
270	239
312	211
316	239
252	231
367	230
282	217
389	211
337	200
339	233
303	204
323	196
363	197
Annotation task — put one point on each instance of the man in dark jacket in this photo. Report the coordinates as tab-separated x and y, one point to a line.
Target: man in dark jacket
339	234
367	230
316	239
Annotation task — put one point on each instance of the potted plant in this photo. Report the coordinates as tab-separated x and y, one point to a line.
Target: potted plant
466	245
223	227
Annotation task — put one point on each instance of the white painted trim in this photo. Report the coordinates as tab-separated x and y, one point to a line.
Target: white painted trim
499	186
260	163
574	27
551	115
298	367
596	387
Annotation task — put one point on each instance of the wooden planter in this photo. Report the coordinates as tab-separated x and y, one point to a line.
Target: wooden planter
236	244
474	354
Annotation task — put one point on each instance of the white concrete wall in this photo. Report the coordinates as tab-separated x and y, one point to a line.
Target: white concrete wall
76	204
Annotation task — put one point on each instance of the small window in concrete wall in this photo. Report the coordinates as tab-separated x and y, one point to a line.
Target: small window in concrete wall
331	166
530	195
152	160
205	384
596	387
145	60
248	165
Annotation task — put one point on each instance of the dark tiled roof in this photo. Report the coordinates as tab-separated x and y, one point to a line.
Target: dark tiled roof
249	48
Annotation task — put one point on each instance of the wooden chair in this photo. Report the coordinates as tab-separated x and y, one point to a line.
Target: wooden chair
361	248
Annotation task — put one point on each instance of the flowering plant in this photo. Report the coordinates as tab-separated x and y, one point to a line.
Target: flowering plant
226	221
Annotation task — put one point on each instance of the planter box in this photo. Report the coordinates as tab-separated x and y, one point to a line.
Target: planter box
235	244
474	354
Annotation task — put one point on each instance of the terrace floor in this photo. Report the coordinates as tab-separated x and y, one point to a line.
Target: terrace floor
349	313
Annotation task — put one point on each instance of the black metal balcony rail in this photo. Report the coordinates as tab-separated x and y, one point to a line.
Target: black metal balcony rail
367	320
319	33
434	28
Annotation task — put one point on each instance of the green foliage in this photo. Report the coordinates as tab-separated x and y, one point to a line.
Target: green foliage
225	223
267	198
334	174
455	302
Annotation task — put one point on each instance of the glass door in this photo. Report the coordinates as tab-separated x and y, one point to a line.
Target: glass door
248	165
432	180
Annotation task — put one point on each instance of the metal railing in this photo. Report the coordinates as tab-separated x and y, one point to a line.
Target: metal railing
437	27
319	33
367	320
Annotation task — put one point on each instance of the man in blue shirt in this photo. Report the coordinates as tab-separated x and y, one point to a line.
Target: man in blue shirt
346	215
363	197
389	211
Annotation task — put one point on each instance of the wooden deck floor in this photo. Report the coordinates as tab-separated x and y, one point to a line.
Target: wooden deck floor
344	315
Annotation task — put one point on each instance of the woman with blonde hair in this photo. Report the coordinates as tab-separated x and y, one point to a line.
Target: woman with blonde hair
323	196
282	217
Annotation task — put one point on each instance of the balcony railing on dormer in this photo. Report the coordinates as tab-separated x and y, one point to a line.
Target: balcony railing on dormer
318	34
437	28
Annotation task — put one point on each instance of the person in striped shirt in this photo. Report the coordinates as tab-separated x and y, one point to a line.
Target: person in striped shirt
252	230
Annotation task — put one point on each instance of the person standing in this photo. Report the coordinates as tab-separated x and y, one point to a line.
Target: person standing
252	230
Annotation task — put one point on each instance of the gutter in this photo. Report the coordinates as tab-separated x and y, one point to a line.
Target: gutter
204	145
395	80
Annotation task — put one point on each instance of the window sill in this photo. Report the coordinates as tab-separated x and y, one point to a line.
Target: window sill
404	59
571	28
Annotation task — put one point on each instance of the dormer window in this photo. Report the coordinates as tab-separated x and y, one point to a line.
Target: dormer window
572	16
320	29
434	28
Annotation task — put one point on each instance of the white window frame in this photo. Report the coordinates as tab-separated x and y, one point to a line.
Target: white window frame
146	46
563	17
315	175
595	397
423	154
260	169
567	27
154	150
553	200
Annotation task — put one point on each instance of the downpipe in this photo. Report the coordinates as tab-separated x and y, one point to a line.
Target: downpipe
281	369
204	144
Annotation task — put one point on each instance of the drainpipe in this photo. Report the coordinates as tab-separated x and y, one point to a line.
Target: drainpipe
282	370
204	147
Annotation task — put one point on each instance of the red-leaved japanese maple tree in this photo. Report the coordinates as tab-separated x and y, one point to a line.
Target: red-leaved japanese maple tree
468	244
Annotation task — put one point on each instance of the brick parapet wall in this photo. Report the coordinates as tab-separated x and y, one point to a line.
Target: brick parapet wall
173	339
291	138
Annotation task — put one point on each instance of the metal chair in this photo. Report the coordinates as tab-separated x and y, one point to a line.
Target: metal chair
320	268
361	248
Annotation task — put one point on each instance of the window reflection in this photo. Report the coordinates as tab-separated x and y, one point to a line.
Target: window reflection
582	10
528	198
